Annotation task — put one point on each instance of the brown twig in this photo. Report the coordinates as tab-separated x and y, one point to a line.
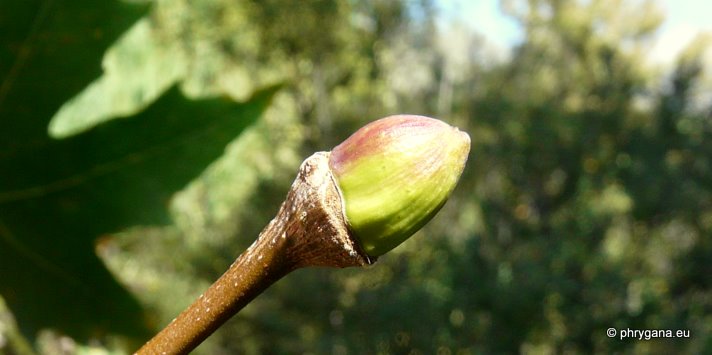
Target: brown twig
309	230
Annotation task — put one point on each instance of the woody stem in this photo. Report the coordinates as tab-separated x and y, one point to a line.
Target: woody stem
309	230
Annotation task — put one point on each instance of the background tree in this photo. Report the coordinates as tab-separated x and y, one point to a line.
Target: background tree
585	203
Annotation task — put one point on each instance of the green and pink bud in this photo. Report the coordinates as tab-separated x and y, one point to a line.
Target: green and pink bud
394	175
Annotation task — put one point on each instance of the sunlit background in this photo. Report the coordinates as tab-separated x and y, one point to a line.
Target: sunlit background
682	23
586	203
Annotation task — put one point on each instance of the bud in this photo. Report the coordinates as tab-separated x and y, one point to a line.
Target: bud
394	174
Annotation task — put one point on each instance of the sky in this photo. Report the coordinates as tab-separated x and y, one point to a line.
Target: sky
684	20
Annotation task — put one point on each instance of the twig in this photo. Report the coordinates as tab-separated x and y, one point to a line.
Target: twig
395	173
309	230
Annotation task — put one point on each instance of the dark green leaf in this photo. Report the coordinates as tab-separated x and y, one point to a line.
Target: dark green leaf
56	198
49	51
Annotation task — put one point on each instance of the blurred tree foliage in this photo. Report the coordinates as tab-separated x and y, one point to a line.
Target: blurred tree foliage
586	203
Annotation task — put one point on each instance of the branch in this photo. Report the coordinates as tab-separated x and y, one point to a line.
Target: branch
309	230
346	207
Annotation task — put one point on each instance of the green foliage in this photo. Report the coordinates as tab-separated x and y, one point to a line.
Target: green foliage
40	64
58	196
585	203
40	69
116	175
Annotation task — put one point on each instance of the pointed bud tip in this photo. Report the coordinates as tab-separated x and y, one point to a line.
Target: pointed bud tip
394	174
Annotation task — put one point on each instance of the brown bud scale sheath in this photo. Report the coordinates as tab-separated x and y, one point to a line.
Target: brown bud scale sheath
309	230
